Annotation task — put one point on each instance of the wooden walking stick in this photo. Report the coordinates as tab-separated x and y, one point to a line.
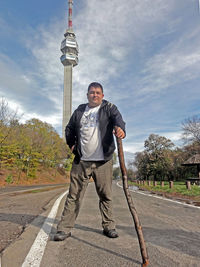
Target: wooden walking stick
131	206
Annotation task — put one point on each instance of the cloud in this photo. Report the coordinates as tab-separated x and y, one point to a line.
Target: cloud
18	85
105	39
134	147
34	84
173	66
131	48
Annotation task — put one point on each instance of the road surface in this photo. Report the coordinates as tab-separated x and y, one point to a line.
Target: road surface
20	205
171	231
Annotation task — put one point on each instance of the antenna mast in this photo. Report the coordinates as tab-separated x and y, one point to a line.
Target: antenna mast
70	3
69	59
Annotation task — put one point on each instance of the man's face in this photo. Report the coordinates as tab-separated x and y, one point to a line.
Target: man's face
95	96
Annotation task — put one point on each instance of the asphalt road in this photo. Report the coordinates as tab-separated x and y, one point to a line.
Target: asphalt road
17	189
20	205
171	231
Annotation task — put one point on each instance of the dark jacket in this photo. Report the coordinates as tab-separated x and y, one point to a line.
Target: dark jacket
109	116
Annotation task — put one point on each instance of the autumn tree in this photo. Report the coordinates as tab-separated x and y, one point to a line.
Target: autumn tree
31	145
45	145
155	160
9	121
142	164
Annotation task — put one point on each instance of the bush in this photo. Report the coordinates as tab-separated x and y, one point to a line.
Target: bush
9	179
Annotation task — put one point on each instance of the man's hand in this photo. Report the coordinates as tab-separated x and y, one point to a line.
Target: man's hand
72	148
118	132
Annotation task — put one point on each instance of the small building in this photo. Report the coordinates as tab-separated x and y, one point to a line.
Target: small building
194	161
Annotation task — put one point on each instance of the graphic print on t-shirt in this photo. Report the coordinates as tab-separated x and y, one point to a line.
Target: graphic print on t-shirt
89	120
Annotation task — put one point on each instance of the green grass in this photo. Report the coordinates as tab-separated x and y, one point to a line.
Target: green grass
179	187
36	191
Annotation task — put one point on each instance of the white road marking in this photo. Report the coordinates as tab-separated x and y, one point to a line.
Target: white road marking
163	198
36	252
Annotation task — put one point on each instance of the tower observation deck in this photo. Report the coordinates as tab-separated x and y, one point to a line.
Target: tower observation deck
69	59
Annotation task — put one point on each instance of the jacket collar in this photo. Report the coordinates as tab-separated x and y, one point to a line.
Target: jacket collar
83	106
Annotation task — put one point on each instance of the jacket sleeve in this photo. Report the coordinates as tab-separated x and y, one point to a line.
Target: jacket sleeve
70	131
117	118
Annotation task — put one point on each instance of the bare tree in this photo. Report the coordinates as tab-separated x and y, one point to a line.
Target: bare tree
8	118
191	129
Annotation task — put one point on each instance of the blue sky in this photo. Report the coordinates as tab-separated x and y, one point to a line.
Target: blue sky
145	53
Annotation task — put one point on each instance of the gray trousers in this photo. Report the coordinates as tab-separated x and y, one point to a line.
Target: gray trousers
101	172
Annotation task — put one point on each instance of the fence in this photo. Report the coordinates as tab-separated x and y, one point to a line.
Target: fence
162	183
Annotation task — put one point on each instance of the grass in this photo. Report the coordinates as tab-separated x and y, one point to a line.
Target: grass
37	191
178	188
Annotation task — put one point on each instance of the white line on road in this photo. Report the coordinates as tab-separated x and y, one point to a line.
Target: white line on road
36	252
163	198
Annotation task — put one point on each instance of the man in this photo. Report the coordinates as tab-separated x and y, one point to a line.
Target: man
89	134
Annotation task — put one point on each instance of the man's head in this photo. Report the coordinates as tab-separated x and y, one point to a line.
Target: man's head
95	94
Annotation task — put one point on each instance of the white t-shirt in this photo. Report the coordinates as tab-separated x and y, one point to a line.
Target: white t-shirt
90	136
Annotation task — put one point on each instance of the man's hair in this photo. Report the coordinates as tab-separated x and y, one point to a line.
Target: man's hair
95	85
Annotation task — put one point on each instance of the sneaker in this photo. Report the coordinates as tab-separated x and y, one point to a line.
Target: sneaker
61	236
112	233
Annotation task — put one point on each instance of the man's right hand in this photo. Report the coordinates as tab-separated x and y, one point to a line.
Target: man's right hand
119	132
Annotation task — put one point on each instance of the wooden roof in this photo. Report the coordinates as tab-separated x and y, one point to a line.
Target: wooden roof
194	160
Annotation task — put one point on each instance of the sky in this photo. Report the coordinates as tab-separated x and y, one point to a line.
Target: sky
145	53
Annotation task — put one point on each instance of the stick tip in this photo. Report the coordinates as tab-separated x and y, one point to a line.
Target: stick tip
146	263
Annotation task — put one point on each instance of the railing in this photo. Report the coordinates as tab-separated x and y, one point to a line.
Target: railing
188	183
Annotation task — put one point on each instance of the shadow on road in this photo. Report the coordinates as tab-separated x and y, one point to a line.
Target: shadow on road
88	229
25	219
174	239
13	225
98	231
104	249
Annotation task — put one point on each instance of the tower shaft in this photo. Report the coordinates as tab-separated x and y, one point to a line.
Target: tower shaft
67	97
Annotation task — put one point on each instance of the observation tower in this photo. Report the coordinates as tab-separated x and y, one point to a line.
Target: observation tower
69	59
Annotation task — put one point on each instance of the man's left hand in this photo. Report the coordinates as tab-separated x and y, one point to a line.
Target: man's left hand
118	132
